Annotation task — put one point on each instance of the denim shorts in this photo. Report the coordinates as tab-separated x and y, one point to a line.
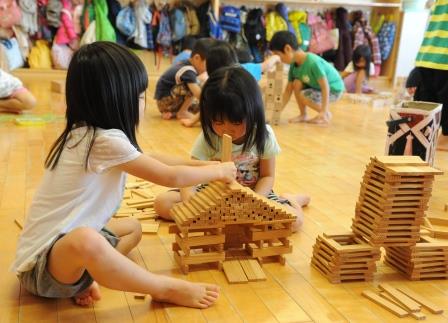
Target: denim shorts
40	282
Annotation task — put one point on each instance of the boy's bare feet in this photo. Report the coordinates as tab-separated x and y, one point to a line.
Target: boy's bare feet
188	122
300	199
300	118
167	115
442	143
88	296
184	115
182	292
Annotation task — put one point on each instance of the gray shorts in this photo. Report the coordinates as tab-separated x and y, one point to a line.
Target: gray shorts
40	282
316	95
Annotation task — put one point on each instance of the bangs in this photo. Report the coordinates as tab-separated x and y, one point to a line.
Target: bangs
225	106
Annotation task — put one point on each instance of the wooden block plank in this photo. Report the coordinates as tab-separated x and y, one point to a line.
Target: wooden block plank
253	270
58	86
407	302
150	227
234	272
19	223
226	152
433	308
391	307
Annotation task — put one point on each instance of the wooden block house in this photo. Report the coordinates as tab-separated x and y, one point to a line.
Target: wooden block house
229	221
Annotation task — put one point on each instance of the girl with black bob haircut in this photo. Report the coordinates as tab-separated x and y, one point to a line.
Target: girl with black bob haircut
65	249
231	104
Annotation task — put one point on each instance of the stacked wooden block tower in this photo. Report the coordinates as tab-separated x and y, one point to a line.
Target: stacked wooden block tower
273	94
428	259
393	199
344	257
229	221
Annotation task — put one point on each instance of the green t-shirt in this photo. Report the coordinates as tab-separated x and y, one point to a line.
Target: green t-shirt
312	70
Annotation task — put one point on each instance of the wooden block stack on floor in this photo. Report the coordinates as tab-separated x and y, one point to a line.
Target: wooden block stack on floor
393	199
138	202
273	94
344	257
428	259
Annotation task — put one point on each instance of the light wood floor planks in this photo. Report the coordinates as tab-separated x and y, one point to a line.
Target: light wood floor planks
325	162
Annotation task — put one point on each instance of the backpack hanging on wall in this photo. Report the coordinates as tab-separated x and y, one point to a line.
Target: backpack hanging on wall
230	19
125	21
192	20
321	40
178	24
164	34
255	32
386	38
214	26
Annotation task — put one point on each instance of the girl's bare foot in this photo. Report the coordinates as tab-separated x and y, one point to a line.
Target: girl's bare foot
300	118
182	292
88	296
300	199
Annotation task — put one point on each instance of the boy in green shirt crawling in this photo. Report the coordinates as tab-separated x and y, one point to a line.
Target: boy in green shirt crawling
313	80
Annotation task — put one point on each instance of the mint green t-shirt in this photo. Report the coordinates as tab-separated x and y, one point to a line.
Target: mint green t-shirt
312	70
247	163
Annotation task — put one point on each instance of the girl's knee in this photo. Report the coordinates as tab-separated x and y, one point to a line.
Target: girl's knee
85	242
136	228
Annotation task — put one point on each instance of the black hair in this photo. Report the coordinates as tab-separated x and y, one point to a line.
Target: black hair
103	85
220	55
362	51
231	93
202	47
188	42
283	38
244	56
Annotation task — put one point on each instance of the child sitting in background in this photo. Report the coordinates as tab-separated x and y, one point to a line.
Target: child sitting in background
178	86
188	43
14	97
313	80
231	103
69	243
358	71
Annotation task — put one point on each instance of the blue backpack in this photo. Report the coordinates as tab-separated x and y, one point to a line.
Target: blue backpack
125	21
386	38
164	34
178	24
230	19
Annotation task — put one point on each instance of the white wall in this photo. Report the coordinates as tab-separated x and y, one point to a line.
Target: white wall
413	29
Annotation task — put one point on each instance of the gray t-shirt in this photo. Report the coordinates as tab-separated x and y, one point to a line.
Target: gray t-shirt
247	163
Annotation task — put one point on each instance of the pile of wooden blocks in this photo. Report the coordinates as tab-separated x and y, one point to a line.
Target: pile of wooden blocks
379	100
138	202
402	301
428	259
344	257
223	219
394	196
273	98
243	271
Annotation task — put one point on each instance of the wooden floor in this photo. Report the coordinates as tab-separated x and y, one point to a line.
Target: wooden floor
325	162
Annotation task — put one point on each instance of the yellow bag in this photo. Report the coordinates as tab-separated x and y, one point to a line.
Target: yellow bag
296	18
40	56
274	23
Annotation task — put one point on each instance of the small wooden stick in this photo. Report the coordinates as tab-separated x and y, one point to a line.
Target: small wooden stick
428	223
391	307
226	152
19	223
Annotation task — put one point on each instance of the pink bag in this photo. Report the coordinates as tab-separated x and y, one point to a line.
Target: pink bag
321	39
10	13
61	55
